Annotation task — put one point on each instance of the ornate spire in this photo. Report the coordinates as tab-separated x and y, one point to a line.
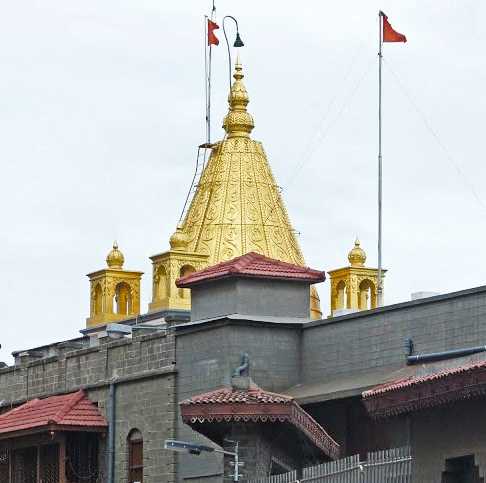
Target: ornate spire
238	122
237	208
115	258
357	256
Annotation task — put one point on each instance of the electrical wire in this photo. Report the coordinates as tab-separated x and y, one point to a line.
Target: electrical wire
323	134
436	137
192	184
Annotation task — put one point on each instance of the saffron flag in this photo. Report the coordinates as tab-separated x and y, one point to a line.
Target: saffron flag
389	34
212	39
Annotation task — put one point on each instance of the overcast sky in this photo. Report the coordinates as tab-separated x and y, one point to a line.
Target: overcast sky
101	110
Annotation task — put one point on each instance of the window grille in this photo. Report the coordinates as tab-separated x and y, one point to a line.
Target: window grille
135	456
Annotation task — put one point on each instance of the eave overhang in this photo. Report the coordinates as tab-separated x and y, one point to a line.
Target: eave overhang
256	406
416	393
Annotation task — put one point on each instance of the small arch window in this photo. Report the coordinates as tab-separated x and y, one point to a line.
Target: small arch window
184	293
341	295
135	456
123	299
366	295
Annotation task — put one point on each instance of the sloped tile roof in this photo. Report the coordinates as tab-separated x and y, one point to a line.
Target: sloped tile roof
255	405
415	392
416	380
68	410
228	395
253	265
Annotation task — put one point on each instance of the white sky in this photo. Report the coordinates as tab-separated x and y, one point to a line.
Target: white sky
101	110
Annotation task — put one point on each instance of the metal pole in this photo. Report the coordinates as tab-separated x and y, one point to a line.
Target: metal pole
206	76
236	475
380	192
213	12
110	454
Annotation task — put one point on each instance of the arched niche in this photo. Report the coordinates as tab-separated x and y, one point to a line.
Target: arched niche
123	299
97	300
161	289
341	295
366	295
185	270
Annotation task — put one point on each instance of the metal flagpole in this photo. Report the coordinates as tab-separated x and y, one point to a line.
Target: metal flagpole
380	61
206	87
213	11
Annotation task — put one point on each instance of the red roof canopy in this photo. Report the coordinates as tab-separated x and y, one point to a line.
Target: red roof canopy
72	411
416	392
253	265
256	405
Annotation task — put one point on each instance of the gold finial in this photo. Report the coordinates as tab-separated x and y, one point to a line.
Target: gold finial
238	122
115	258
357	256
178	240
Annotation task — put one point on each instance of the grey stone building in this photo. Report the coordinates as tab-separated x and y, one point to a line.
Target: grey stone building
306	392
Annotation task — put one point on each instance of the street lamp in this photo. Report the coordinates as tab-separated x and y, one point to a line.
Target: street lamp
197	449
237	43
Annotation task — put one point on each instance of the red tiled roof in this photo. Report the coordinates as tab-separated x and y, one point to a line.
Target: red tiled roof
69	410
420	392
253	265
415	380
257	406
228	395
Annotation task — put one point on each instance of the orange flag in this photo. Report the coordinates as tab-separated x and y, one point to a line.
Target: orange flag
389	34
212	39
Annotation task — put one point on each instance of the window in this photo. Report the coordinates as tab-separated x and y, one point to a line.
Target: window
135	456
461	470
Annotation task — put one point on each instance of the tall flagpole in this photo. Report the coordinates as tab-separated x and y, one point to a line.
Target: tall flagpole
213	12
206	79
380	61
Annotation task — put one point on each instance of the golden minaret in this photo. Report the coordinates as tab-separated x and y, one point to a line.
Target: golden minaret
354	287
236	209
114	292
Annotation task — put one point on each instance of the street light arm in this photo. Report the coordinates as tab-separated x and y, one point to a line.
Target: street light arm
237	43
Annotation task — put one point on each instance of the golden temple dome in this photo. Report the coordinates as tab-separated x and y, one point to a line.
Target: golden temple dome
357	256
238	122
178	240
115	258
237	208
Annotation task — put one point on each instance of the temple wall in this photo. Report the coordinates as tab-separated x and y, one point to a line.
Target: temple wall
360	343
448	432
143	371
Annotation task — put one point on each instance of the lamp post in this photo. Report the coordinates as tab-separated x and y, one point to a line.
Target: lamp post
237	43
197	449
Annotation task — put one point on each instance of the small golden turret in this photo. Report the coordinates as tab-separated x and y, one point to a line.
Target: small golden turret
115	292
354	287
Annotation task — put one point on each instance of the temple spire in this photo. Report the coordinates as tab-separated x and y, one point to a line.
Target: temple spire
238	122
237	208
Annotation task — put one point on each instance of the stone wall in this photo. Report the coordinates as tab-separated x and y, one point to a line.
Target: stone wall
363	342
143	371
257	297
206	358
448	432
